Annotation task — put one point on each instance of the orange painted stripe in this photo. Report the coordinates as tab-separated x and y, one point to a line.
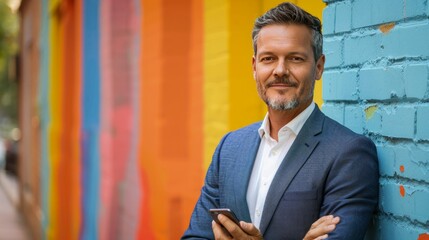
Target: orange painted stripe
150	45
76	166
68	177
171	115
66	77
193	168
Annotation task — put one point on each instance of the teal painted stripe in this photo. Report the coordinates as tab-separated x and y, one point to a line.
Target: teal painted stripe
43	103
90	120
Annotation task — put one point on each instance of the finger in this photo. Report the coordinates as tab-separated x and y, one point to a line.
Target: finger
219	232
322	237
322	220
322	227
315	233
230	226
250	229
335	220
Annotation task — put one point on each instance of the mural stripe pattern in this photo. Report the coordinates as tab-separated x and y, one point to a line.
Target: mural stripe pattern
134	97
90	119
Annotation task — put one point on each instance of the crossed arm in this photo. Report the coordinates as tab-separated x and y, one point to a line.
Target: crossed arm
318	230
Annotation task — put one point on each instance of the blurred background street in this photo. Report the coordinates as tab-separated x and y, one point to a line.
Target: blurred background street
12	223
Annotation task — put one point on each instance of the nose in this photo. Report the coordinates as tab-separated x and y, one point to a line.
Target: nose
280	70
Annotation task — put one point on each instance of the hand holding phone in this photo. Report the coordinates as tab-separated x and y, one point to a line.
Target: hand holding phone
226	212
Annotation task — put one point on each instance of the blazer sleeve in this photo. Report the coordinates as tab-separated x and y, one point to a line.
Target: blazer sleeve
200	226
351	190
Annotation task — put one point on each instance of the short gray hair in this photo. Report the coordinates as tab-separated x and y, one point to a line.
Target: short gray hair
288	13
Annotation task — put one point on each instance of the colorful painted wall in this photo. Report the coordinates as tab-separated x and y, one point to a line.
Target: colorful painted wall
123	102
122	105
376	83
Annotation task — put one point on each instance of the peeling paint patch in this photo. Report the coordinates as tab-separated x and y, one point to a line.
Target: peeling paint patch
402	168
402	190
423	236
386	28
369	111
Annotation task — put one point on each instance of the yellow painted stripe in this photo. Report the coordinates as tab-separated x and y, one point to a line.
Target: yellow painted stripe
55	119
216	57
245	106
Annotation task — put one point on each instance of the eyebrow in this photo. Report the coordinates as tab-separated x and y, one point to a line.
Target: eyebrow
291	53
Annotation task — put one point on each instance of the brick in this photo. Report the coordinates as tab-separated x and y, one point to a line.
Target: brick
353	118
422	122
411	204
398	121
381	83
414	168
343	20
393	229
416	80
361	49
407	40
359	19
369	12
414	8
340	85
329	19
333	48
334	111
386	157
373	119
427	10
420	155
403	160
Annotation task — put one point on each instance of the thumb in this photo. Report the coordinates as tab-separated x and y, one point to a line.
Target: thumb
250	229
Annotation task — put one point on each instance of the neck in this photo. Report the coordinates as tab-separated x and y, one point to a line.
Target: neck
279	118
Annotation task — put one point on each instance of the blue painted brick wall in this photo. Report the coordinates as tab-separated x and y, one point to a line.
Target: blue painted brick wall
415	79
422	122
376	82
381	83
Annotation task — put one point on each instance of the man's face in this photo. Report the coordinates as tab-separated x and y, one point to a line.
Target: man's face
284	66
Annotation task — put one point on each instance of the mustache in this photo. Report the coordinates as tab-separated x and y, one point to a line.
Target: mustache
283	80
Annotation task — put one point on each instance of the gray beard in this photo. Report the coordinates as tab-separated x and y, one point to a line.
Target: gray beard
282	106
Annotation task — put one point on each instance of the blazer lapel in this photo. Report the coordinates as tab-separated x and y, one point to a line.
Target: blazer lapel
245	160
298	154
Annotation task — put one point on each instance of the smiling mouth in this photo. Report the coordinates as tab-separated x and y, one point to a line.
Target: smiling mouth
281	85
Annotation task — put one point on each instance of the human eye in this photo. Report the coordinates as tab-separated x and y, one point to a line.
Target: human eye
267	59
296	59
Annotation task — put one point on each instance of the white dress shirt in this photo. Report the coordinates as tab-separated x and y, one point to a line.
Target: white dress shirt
268	159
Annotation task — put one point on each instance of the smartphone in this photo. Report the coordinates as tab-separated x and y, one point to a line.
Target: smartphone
226	212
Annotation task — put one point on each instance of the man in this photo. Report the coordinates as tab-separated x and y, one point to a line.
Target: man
281	175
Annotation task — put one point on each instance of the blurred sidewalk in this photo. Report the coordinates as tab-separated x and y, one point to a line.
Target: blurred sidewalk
12	225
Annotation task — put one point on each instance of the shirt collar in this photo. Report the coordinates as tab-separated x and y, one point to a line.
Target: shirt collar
295	125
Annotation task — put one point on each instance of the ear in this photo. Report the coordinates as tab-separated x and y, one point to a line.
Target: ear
320	66
254	67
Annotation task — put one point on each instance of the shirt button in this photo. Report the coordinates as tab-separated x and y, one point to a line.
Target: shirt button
258	213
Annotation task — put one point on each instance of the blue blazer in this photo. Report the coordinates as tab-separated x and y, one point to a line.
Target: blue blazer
328	170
